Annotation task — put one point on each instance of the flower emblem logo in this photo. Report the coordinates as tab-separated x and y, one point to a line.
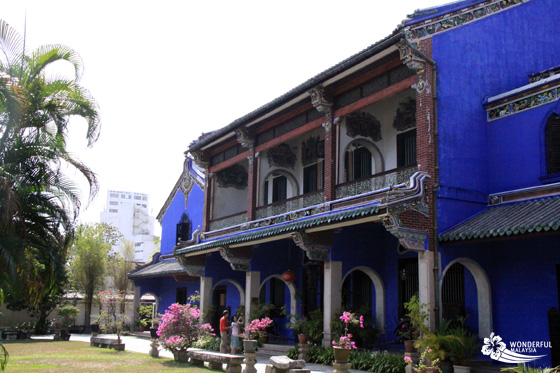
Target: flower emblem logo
493	346
497	349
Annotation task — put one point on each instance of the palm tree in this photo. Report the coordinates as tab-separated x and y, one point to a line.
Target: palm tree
39	203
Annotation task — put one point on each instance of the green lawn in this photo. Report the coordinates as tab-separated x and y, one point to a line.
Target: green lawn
56	356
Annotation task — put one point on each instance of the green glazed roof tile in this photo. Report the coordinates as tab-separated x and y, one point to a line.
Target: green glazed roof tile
509	219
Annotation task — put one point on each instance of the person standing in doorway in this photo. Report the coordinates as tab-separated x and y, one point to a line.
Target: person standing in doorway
224	332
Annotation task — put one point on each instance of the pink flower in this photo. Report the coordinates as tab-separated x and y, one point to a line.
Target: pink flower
407	360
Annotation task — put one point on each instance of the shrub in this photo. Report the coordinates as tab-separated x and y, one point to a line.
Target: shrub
180	327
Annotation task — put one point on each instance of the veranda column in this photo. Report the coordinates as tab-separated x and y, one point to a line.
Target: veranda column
426	284
332	297
252	285
136	301
247	142
205	296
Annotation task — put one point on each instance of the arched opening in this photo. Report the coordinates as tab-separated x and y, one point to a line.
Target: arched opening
358	293
278	186
460	300
276	294
148	307
226	294
362	159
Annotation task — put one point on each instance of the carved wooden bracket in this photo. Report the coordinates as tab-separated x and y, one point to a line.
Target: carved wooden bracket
243	138
193	265
239	259
411	239
312	250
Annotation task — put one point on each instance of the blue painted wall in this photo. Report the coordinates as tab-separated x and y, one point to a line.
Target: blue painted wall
479	60
173	215
522	276
476	157
165	288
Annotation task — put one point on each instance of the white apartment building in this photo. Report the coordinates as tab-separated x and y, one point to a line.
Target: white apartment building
129	212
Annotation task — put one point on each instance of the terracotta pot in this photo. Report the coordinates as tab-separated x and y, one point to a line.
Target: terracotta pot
341	354
409	346
250	345
303	338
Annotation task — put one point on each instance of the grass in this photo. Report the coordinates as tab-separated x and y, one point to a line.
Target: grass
61	356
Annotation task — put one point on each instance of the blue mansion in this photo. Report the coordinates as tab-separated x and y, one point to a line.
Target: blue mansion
427	163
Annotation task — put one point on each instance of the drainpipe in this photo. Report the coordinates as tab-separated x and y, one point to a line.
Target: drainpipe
434	197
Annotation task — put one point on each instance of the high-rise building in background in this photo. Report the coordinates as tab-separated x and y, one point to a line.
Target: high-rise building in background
129	212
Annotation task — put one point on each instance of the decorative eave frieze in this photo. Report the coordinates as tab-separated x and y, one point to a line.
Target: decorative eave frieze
528	97
450	21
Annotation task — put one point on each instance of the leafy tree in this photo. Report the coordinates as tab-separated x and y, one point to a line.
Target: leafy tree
39	202
120	264
88	262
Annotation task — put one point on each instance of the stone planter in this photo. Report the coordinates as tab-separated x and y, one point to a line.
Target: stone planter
249	345
181	356
153	333
341	354
461	369
250	348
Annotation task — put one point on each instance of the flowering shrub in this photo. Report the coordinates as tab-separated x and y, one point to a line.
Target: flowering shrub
180	327
345	341
256	328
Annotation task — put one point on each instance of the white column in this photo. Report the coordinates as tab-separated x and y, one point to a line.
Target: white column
252	287
136	302
205	296
332	297
426	284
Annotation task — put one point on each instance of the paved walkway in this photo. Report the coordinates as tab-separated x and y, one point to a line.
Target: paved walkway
142	345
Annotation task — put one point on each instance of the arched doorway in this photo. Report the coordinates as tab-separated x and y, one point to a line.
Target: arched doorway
357	291
226	294
456	299
278	293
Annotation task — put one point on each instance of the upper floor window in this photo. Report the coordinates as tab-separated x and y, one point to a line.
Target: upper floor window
184	228
279	186
357	162
406	148
313	177
553	144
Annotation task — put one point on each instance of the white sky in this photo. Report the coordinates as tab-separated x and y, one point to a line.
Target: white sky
164	72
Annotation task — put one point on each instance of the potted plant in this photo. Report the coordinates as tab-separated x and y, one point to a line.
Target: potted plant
415	326
68	314
462	347
141	324
154	322
344	345
111	320
300	326
427	363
